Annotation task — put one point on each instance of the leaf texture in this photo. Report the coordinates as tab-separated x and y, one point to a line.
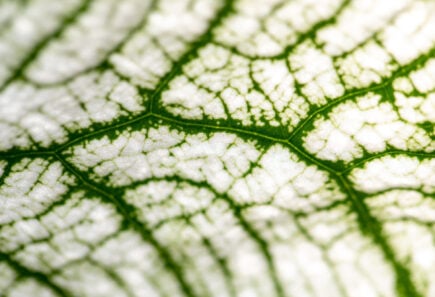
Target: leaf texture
217	148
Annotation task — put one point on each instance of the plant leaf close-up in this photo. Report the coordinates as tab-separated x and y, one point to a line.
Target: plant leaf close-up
211	148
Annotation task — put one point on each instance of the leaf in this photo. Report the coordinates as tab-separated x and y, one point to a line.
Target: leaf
211	148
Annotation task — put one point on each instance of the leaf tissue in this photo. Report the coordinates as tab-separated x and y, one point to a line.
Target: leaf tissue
211	148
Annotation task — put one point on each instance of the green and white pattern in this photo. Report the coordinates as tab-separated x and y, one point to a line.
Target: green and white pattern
207	148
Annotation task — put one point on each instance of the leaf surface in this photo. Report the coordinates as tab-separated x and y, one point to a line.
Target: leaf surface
210	148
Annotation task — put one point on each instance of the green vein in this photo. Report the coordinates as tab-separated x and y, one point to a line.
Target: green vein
125	211
46	41
33	274
103	61
373	229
